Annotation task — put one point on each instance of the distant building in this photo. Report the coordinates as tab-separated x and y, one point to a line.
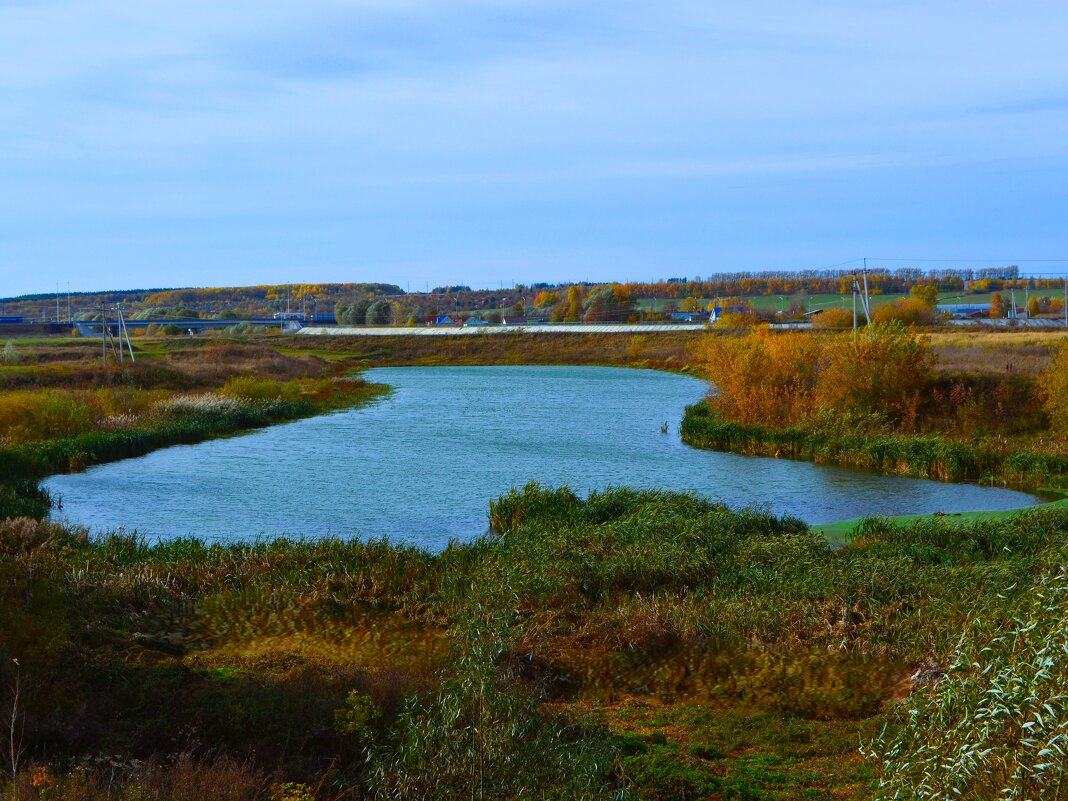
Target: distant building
511	319
691	317
440	320
717	312
964	310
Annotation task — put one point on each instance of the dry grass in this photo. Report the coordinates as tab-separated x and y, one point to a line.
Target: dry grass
1001	354
668	351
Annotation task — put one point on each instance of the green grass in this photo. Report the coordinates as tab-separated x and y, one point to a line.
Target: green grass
840	532
830	301
736	751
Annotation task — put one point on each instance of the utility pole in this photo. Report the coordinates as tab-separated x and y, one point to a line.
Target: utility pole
57	303
864	302
854	311
124	332
69	318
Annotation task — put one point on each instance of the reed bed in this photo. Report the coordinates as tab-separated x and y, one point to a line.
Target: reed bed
1034	462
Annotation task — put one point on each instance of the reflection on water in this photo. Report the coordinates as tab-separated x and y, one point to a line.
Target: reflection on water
422	465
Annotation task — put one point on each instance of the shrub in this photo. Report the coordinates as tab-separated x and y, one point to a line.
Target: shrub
250	388
926	294
907	311
764	377
993	727
33	415
884	372
246	329
483	736
835	318
11	354
783	379
358	717
1053	384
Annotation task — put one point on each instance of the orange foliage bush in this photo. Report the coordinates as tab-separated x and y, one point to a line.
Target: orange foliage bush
764	376
834	318
781	379
884	372
909	311
1053	384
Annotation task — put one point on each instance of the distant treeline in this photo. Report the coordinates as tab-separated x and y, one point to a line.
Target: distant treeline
821	282
103	294
545	298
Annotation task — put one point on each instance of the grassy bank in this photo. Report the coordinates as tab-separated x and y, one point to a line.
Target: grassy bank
62	410
1022	463
841	532
644	644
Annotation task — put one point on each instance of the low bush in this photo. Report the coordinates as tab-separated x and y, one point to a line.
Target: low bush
483	734
907	311
1053	384
993	727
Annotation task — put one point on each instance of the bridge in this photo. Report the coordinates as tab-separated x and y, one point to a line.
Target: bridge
95	328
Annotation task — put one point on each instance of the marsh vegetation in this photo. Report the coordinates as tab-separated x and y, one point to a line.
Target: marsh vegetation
630	644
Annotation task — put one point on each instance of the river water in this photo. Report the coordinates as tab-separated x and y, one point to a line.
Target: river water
422	465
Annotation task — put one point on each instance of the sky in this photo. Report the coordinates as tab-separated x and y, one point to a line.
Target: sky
207	143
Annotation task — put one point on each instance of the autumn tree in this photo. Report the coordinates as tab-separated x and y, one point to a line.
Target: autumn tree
997	306
572	309
612	303
764	378
1053	385
354	313
908	311
925	293
380	313
545	299
880	373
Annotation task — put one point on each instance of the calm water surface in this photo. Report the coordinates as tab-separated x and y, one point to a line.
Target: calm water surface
422	465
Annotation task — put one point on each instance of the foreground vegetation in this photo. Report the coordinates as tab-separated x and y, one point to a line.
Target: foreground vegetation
639	644
630	645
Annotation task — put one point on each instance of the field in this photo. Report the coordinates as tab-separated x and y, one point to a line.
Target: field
830	301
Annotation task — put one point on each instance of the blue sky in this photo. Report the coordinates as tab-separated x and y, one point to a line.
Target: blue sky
210	143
